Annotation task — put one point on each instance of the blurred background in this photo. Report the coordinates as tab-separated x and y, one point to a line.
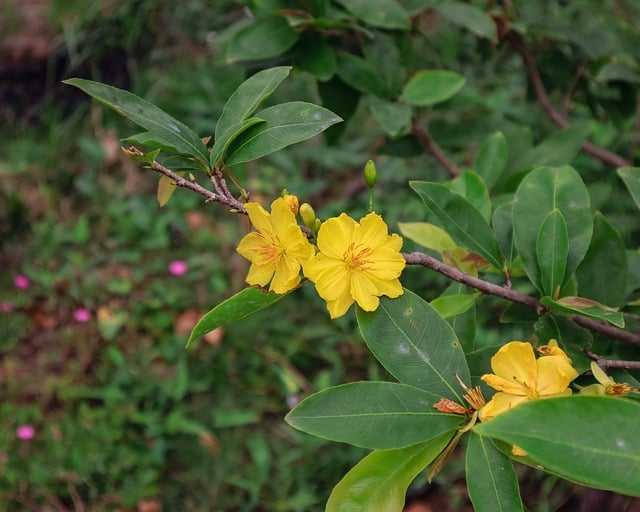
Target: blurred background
101	406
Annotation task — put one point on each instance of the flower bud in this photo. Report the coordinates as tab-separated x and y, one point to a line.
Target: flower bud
292	201
370	173
307	215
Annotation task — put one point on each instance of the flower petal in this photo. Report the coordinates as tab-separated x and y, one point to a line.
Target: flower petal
335	235
500	403
554	375
339	307
516	363
287	275
364	292
259	274
259	217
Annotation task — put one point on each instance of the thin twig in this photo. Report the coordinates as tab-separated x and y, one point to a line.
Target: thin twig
418	258
612	363
224	198
573	84
604	155
432	148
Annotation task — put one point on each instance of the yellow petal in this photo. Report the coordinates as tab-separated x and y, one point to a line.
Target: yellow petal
515	362
330	277
364	291
259	217
335	235
371	232
500	403
339	307
259	274
287	275
518	452
390	288
508	386
554	375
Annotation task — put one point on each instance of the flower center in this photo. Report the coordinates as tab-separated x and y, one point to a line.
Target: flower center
356	257
270	249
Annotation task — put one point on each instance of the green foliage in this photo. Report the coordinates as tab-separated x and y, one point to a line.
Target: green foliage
505	122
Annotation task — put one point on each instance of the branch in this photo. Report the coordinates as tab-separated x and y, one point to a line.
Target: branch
418	258
431	147
612	363
222	196
605	156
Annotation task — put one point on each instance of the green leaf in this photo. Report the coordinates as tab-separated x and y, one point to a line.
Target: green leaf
360	74
316	56
427	235
491	481
540	192
552	251
264	38
584	307
589	440
241	305
377	415
226	139
379	482
166	130
247	97
394	118
379	13
285	124
428	87
448	306
464	223
468	16
558	149
491	159
607	251
503	227
471	186
631	178
415	344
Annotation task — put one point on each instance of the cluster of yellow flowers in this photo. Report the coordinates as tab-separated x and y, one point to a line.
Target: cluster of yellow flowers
351	261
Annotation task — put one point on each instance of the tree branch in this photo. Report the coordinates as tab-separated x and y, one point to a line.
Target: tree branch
612	363
604	155
431	147
418	258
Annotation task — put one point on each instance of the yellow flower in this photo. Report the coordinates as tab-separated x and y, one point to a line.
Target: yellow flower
277	249
518	376
606	385
356	262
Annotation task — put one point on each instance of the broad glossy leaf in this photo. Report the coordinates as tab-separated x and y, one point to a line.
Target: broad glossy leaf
448	306
558	149
247	97
284	124
491	480
429	87
316	56
631	178
239	306
590	440
464	223
394	118
540	192
377	415
552	250
379	482
584	307
468	16
165	129
503	227
471	186
379	13
491	159
384	52
224	141
427	235
264	38
607	251
415	344
361	74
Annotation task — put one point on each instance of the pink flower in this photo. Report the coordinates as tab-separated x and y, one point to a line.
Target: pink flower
178	268
21	281
6	307
25	432
82	315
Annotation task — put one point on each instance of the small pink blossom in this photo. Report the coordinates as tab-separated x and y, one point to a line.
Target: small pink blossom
21	281
6	307
25	432
82	315
178	268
